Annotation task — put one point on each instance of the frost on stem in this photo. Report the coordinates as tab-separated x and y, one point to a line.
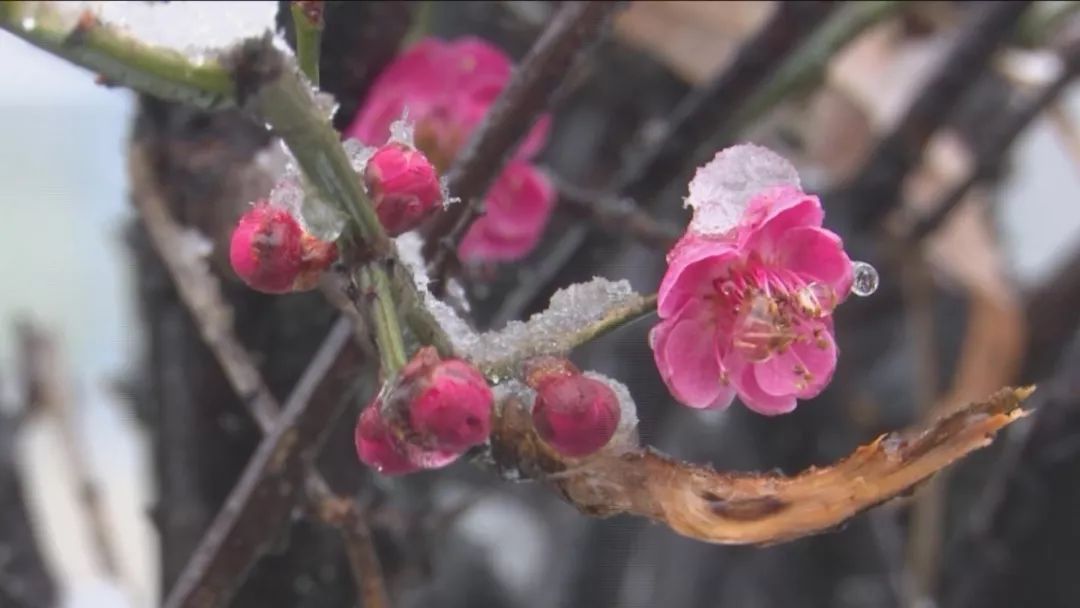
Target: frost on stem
573	313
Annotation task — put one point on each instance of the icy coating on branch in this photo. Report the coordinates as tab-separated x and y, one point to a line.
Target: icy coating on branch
573	311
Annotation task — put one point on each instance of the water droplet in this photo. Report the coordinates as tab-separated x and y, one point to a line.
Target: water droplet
866	279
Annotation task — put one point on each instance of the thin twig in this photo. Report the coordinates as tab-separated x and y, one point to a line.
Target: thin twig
307	18
998	142
618	216
875	190
222	564
47	395
807	65
351	522
25	581
269	487
709	109
511	116
1066	129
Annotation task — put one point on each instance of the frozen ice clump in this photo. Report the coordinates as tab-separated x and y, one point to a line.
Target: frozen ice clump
462	337
722	189
572	311
358	154
302	200
189	27
558	329
403	131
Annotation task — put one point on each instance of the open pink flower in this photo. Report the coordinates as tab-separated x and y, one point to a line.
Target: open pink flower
447	88
746	303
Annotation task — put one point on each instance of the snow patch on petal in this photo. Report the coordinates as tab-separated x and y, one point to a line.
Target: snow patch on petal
722	189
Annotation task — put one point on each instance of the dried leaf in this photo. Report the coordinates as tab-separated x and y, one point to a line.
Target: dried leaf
735	508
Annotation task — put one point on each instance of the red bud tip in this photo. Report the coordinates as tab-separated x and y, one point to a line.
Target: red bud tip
376	446
576	415
448	402
404	187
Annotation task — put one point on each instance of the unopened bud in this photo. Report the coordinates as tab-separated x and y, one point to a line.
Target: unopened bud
447	402
404	187
271	253
574	414
377	447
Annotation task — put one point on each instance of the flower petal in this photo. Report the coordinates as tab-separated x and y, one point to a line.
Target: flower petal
818	254
818	355
693	265
686	357
751	393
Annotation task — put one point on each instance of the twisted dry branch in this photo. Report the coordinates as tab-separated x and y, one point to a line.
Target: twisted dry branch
735	508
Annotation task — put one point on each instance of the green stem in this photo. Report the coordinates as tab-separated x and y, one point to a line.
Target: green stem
308	24
807	66
375	283
421	23
287	105
1042	20
160	72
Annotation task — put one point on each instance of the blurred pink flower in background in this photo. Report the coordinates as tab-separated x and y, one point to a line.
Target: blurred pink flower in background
746	302
446	87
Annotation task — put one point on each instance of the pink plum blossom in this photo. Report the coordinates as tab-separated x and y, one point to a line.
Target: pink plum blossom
517	208
746	302
446	88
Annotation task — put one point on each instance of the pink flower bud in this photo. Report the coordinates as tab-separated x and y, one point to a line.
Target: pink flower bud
265	251
574	414
404	187
447	402
376	446
271	253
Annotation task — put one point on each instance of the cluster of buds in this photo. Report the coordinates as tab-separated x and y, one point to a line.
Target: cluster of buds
272	253
433	413
574	414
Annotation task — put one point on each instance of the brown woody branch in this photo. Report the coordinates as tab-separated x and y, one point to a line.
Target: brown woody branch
735	508
996	145
876	189
709	109
25	581
618	216
270	485
47	395
513	113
